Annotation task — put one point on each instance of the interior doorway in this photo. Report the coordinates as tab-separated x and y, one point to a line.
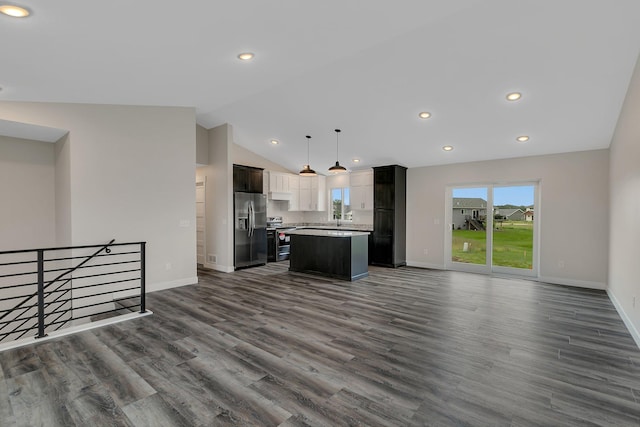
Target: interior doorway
200	220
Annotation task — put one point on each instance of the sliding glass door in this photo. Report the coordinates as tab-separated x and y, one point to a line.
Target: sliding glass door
469	227
492	229
513	233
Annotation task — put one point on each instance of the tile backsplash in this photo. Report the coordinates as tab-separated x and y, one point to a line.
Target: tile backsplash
281	208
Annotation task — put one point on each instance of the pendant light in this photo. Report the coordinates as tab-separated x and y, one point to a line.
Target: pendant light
306	170
337	168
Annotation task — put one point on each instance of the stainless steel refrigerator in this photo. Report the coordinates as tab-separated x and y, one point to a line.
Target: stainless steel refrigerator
250	229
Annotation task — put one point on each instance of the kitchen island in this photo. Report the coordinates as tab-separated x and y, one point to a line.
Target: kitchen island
332	253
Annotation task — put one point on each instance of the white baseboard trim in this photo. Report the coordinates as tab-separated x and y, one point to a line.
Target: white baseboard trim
73	330
222	268
627	321
572	282
425	265
153	287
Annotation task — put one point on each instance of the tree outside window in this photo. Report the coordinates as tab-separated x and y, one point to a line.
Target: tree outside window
340	204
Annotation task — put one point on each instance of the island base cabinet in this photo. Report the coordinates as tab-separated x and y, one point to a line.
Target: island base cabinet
341	258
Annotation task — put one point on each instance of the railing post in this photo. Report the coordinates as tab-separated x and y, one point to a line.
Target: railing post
41	333
142	276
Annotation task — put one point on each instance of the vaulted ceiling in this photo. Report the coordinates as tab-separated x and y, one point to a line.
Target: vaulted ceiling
367	67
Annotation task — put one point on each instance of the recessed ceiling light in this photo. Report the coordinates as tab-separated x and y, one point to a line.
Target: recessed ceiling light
14	11
356	160
424	115
523	138
513	96
447	148
246	56
275	142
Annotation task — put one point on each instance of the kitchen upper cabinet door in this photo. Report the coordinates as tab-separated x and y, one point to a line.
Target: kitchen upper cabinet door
305	182
240	181
305	199
357	198
272	182
362	198
279	182
247	179
286	183
294	202
294	182
368	197
265	182
294	186
255	180
359	179
320	193
312	193
362	190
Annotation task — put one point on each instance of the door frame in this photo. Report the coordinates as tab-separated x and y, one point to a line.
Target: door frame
201	182
488	267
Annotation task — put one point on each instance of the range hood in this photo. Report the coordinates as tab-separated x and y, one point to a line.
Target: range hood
279	195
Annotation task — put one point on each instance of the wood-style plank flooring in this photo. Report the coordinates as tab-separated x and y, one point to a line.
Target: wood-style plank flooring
403	347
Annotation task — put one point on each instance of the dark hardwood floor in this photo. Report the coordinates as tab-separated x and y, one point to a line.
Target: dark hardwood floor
404	347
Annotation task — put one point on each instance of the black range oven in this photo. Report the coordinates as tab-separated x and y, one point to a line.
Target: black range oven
283	243
278	243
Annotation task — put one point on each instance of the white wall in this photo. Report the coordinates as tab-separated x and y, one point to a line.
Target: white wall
573	211
131	177
27	194
624	256
202	146
63	192
219	199
242	156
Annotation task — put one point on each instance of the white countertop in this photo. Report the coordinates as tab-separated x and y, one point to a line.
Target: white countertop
332	226
327	233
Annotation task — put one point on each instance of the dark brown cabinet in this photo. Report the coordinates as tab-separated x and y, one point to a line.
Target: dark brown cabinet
389	216
247	179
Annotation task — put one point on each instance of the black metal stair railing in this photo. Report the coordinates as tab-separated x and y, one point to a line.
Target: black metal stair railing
42	290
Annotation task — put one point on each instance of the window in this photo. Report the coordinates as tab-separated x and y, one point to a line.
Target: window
340	208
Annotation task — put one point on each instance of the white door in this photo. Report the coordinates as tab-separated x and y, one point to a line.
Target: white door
200	221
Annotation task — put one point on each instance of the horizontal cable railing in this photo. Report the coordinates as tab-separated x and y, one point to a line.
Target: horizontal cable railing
43	290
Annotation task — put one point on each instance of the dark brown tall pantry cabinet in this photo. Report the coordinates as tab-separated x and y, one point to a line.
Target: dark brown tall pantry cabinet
389	216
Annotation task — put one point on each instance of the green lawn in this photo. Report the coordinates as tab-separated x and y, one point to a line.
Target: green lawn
512	245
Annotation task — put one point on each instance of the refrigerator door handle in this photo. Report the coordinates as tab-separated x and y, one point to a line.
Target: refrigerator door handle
253	218
250	218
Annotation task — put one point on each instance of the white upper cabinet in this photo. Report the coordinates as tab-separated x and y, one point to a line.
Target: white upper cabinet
361	184
294	186
312	193
279	186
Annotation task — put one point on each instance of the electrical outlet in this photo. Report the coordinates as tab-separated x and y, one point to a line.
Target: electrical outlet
560	264
167	266
213	259
426	251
